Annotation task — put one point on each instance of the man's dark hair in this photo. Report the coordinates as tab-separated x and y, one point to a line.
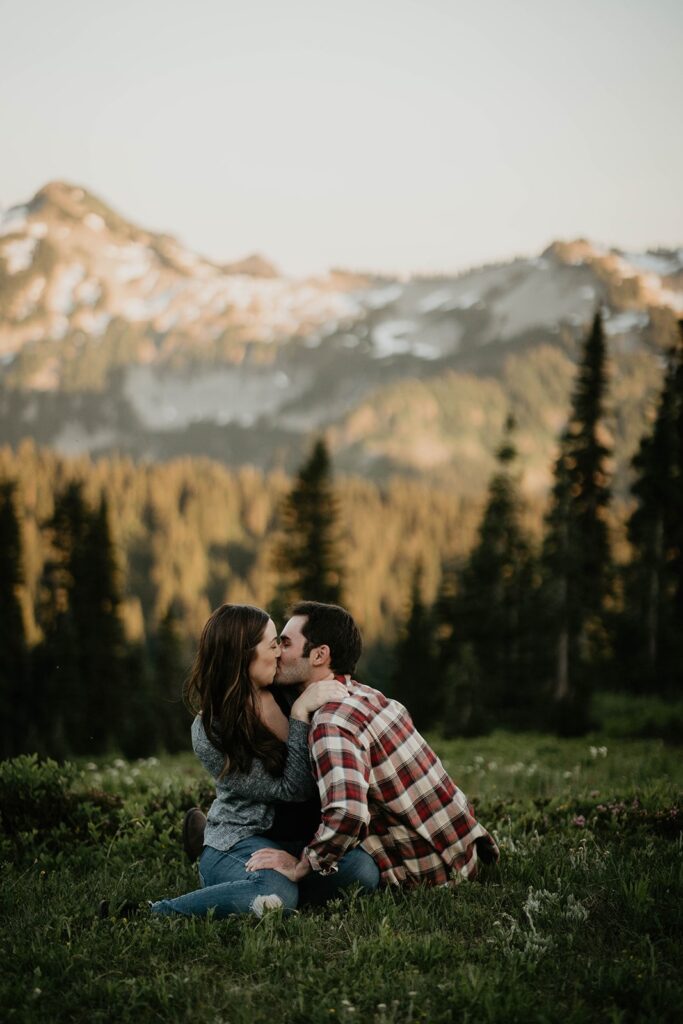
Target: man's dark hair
329	624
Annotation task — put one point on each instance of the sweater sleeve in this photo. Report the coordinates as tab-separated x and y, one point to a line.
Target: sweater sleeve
341	767
296	782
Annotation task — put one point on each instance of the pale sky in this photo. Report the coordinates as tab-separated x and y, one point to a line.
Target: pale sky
390	135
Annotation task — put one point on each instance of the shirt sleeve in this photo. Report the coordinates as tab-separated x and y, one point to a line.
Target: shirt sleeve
340	764
296	782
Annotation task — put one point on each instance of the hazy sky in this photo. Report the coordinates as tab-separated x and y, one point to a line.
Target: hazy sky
373	134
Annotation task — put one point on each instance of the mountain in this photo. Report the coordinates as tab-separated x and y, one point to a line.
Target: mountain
116	338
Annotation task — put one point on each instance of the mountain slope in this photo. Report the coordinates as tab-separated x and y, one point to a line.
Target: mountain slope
116	337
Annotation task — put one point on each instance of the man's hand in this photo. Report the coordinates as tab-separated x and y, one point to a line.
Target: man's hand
279	860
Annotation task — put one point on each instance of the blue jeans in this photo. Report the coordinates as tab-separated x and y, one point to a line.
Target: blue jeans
228	888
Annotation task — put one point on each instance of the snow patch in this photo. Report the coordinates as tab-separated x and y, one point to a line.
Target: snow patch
381	297
423	350
663	264
622	323
89	291
135	261
14	220
30	297
436	300
59	328
76	438
186	258
62	299
94	323
673	299
466	301
19	254
94	222
147	309
389	338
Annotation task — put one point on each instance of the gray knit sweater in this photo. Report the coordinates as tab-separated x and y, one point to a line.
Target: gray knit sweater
244	804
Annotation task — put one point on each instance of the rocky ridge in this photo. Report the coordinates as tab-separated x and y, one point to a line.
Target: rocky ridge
112	336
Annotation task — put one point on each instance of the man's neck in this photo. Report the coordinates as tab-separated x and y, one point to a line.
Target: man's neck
317	674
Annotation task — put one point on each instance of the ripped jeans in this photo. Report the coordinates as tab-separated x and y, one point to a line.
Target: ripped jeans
228	888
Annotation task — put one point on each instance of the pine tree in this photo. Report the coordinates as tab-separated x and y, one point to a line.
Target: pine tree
79	665
651	638
168	674
491	622
307	556
577	559
95	601
415	681
15	704
58	689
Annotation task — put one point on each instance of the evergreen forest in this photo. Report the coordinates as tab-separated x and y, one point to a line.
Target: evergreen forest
476	613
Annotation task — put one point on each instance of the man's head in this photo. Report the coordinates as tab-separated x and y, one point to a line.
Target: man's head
318	638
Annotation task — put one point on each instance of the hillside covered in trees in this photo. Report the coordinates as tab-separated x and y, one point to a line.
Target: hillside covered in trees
475	613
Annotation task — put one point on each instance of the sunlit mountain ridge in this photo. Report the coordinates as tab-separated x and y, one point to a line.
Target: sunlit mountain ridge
113	337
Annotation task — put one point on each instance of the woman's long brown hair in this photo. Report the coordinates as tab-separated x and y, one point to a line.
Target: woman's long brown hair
219	689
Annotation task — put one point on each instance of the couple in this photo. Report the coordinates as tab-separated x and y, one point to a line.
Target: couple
304	810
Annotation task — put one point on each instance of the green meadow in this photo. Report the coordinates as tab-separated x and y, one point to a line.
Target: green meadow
579	922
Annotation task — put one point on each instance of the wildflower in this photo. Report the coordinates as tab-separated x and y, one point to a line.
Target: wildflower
575	910
579	821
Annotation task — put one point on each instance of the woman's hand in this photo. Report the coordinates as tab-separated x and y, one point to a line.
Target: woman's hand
279	860
314	696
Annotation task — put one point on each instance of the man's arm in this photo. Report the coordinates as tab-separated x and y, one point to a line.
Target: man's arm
341	767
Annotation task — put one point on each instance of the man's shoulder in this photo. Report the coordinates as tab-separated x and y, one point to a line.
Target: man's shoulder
361	705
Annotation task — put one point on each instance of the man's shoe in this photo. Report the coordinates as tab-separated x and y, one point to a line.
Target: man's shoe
193	833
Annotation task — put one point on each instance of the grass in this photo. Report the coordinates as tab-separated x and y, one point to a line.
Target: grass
580	922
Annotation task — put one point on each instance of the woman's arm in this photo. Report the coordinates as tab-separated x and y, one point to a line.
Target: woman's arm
296	782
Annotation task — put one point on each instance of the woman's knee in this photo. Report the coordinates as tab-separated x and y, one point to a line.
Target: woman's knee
272	883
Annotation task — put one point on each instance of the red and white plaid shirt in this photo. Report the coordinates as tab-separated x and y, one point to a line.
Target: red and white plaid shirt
381	785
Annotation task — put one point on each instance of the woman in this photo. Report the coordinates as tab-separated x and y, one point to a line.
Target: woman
258	756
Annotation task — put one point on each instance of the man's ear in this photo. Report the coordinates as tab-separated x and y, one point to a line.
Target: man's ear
321	655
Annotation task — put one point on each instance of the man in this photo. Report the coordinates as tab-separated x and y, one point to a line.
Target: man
381	785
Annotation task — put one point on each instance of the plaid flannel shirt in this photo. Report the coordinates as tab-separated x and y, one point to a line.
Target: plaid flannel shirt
383	787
